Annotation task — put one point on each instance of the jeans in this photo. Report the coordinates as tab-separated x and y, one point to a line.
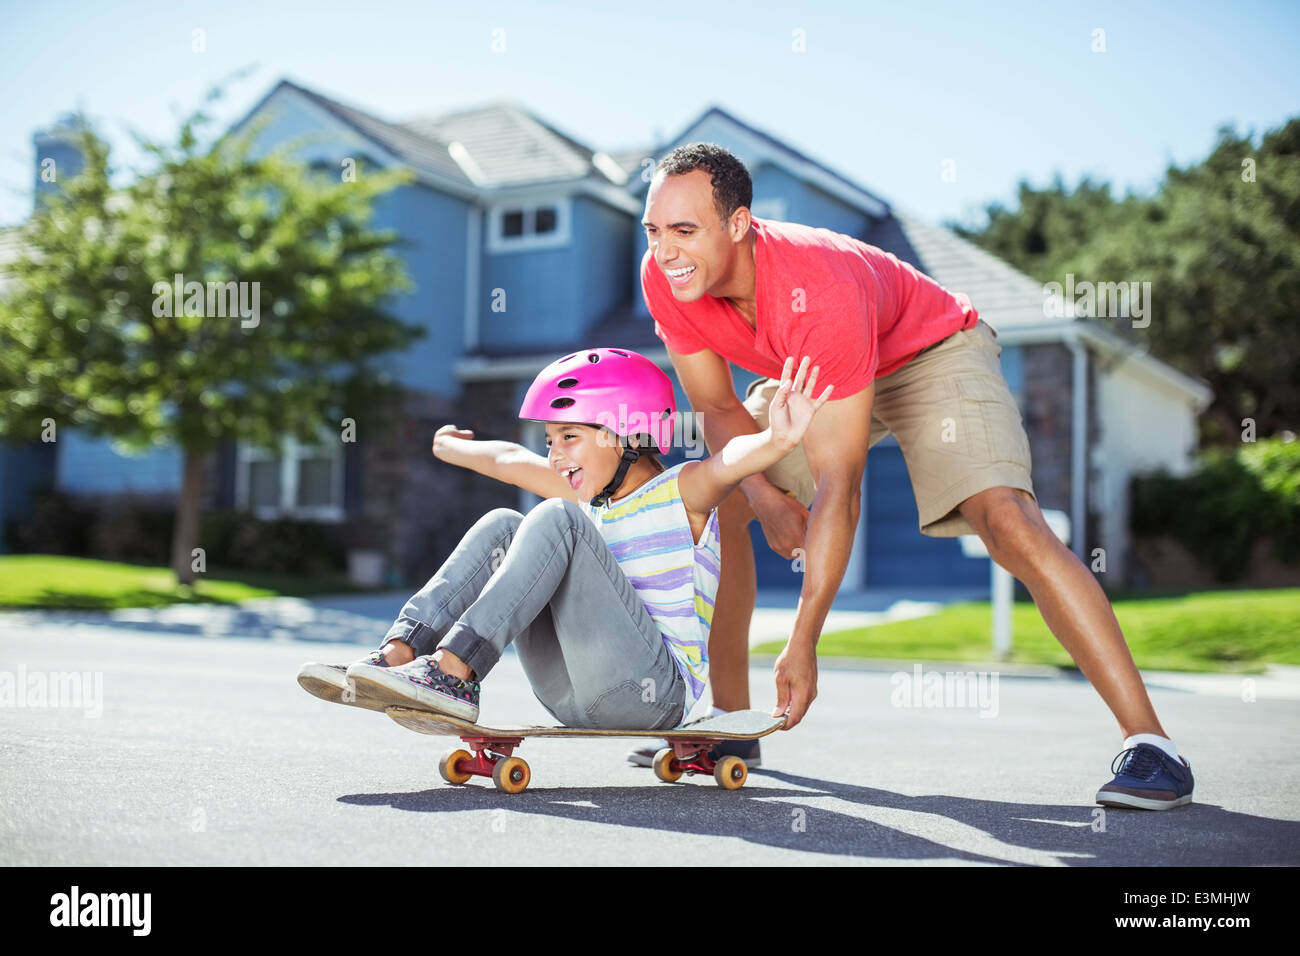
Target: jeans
548	582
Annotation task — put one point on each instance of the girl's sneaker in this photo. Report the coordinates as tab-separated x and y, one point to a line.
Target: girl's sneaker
419	684
330	682
1148	779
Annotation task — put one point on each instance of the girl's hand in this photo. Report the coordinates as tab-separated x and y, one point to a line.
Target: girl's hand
450	431
793	405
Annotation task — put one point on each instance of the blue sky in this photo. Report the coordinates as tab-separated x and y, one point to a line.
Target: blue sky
883	92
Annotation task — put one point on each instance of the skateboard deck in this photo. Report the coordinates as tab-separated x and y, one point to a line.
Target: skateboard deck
493	747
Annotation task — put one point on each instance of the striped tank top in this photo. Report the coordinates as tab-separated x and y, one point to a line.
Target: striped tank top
675	576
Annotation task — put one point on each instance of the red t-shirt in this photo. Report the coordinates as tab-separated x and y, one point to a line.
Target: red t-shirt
858	311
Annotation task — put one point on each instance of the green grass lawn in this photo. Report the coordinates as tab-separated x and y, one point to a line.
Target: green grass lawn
1238	631
55	581
1209	631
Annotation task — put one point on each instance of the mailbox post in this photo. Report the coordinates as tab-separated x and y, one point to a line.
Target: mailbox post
1002	585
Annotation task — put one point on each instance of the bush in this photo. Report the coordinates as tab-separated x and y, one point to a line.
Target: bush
56	525
217	531
1277	466
142	533
1233	499
134	533
283	546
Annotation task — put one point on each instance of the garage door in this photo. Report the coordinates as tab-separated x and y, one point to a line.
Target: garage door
897	553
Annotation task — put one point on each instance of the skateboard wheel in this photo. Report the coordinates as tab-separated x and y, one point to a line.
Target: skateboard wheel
730	773
448	767
664	768
511	774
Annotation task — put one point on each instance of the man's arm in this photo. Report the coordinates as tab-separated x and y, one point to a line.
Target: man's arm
836	447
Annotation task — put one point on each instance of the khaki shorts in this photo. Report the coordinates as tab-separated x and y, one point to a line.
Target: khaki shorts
954	418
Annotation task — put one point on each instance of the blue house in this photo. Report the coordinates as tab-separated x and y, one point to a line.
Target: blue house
524	244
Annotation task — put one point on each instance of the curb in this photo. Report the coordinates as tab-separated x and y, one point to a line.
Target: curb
1276	682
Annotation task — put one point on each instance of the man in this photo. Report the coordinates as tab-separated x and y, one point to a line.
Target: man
905	356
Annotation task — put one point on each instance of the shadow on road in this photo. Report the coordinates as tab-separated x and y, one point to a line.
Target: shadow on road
800	820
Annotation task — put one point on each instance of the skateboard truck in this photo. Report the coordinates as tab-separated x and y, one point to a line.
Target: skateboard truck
492	757
692	756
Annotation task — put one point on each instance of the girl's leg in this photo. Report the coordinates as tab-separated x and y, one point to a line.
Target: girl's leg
543	663
590	649
426	616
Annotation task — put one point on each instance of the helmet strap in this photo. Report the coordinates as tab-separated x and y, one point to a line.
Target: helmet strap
629	458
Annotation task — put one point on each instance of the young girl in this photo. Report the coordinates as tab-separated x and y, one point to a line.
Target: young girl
605	588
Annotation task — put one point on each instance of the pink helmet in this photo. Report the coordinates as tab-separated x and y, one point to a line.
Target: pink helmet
617	388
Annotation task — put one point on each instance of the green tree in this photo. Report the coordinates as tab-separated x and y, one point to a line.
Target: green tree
1048	227
1222	252
91	337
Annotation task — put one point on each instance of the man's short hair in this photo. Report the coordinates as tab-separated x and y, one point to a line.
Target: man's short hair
732	187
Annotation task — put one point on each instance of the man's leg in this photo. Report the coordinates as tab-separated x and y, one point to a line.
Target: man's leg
1079	615
733	607
969	461
1072	603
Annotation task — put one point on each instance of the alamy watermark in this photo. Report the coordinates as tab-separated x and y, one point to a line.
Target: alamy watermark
1112	300
637	421
102	909
212	300
975	689
83	690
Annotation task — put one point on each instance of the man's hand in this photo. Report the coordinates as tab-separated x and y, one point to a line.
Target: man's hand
796	682
783	517
784	521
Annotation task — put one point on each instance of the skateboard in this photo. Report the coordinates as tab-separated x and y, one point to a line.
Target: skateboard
493	749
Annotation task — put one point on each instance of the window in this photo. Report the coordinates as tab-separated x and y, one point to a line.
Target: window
301	482
537	225
264	484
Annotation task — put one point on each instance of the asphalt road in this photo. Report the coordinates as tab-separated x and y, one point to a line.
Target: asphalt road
206	751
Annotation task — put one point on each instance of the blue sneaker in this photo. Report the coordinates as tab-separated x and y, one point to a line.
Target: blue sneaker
747	750
1148	779
419	684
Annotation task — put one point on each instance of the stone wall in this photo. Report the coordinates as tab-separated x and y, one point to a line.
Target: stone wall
1048	415
416	508
1048	370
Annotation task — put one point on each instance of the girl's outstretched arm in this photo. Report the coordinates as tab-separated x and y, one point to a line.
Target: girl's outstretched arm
505	461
